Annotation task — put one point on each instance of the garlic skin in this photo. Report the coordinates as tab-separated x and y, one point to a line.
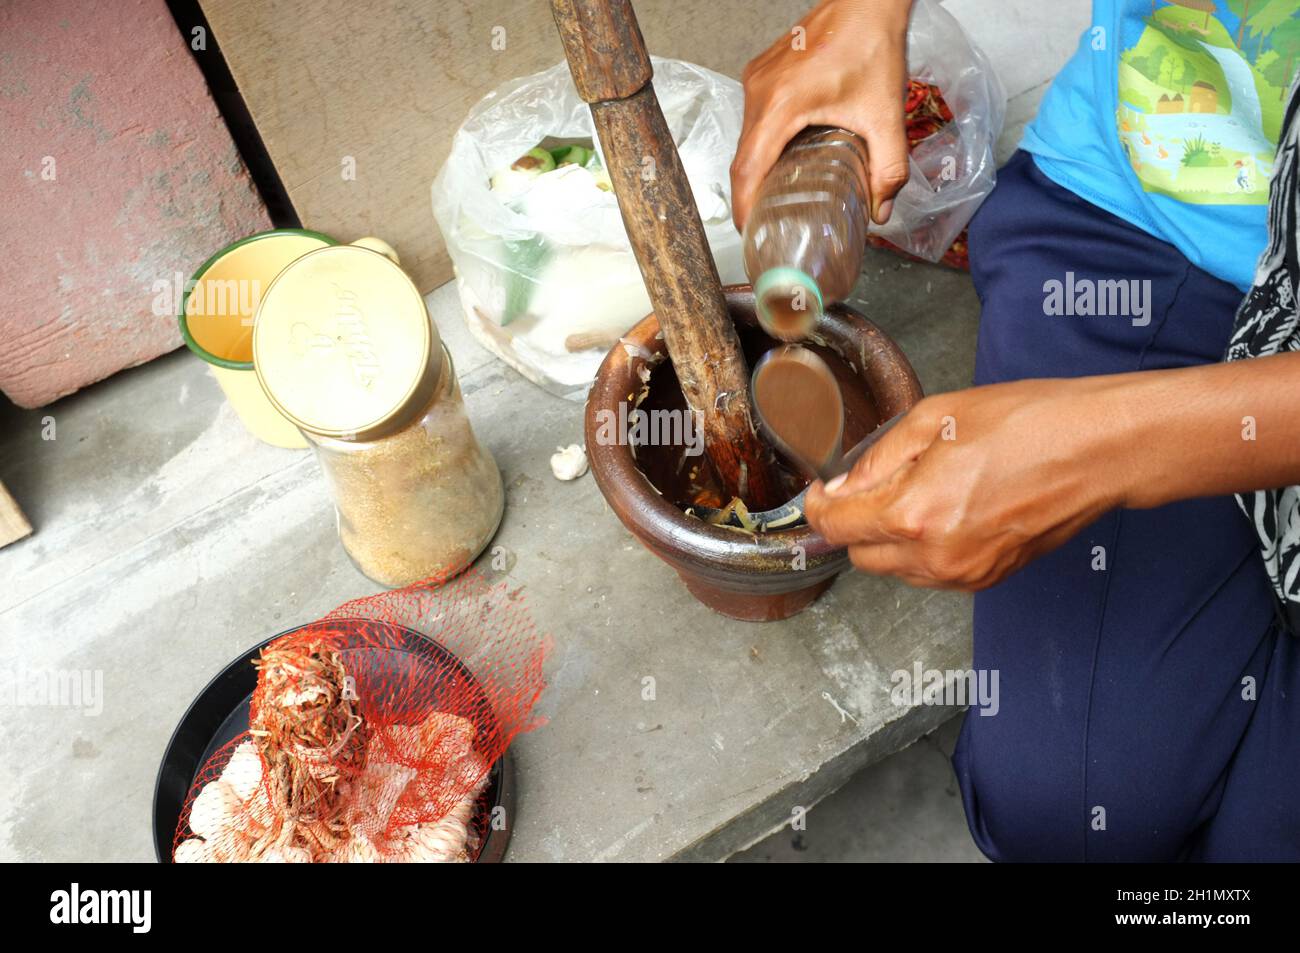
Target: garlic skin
569	463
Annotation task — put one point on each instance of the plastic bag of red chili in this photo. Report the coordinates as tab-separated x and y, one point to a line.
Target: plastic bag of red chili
955	104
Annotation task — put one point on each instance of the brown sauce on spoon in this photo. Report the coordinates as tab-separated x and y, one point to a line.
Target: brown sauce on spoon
798	398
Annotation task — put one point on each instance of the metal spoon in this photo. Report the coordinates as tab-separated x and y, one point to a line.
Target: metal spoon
831	464
791	513
800	408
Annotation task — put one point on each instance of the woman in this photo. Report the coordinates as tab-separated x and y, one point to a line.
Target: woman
1150	703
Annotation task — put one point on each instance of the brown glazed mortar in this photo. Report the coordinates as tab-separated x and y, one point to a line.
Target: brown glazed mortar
748	576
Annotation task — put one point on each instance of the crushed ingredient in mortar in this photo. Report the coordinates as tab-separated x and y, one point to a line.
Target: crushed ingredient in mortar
687	478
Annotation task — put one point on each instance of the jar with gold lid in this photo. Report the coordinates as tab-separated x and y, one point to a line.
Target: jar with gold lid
345	349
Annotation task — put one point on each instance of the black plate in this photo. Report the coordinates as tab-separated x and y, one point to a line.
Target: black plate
220	714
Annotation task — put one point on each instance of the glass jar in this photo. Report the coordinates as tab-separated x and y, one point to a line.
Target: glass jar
345	349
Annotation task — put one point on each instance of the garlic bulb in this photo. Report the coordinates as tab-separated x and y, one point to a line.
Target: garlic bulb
377	794
231	848
215	810
569	463
192	851
286	855
359	850
244	771
444	842
234	820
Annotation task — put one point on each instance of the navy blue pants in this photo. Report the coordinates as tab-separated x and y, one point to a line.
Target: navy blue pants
1149	702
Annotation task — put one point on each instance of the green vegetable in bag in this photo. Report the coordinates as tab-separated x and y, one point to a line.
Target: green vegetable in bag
519	176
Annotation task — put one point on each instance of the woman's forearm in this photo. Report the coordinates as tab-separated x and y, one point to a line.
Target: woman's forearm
973	484
1206	431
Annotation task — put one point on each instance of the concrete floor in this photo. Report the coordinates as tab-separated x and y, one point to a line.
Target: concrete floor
168	541
904	809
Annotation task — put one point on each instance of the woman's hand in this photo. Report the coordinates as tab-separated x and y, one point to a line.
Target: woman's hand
970	486
843	65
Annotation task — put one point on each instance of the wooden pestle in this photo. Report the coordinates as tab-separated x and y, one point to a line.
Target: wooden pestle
611	69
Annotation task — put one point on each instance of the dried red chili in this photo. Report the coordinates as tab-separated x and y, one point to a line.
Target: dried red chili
925	113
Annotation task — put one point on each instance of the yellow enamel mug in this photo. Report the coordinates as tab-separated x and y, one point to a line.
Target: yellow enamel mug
216	321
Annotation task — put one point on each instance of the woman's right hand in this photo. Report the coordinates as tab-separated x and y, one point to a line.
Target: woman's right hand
844	64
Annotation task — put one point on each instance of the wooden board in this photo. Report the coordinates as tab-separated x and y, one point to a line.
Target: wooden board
387	83
13	524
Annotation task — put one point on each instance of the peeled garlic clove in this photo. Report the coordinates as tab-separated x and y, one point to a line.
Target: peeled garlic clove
192	851
216	809
569	463
518	178
244	771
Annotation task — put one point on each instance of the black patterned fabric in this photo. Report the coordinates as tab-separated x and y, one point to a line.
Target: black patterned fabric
1268	323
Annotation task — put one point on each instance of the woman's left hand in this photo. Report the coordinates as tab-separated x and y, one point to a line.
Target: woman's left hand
970	486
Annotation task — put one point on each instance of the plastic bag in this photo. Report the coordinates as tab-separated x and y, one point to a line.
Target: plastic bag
547	280
954	170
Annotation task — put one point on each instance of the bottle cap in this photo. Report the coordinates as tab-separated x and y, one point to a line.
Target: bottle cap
343	345
788	302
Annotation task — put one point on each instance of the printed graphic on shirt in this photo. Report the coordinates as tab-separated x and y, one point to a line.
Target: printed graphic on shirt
1202	95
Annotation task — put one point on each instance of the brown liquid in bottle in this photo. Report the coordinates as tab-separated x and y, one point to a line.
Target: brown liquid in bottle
806	236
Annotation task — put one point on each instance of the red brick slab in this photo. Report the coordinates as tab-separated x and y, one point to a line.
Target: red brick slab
116	173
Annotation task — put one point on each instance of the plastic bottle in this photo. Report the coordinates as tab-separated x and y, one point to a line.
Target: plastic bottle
807	233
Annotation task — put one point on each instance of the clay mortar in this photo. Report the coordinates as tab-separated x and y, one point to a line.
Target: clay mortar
749	576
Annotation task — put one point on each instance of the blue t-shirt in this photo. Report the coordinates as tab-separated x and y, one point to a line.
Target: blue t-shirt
1168	116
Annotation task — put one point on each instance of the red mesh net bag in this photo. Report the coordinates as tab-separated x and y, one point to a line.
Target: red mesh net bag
373	732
